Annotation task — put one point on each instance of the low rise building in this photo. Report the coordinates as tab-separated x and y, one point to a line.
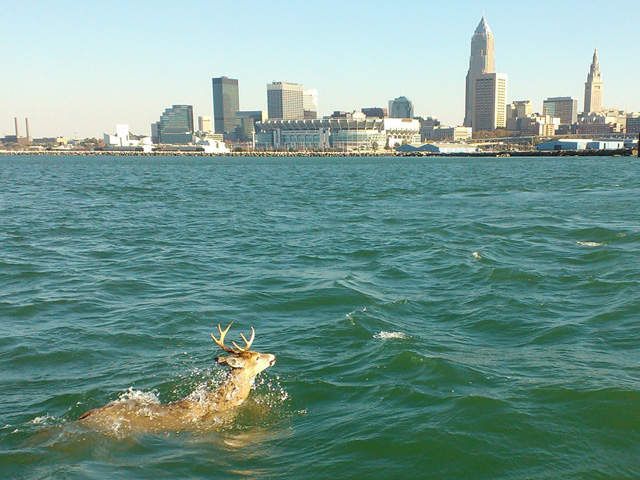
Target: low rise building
354	132
401	131
516	112
580	144
448	134
443	148
123	138
602	123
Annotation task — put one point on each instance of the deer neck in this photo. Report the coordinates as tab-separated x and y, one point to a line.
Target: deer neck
233	391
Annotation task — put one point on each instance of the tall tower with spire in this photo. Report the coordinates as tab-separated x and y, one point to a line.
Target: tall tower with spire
593	87
482	61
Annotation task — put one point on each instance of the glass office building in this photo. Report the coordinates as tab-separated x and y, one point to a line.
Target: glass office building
401	107
226	102
176	125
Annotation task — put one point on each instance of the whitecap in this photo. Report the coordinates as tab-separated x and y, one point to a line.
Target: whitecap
382	335
589	244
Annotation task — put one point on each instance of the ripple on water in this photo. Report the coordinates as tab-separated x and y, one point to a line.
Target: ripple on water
398	349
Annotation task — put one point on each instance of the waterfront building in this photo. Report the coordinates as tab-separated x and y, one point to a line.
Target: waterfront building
354	133
246	121
516	112
439	148
400	107
448	134
297	135
176	125
310	103
226	102
210	145
205	124
565	108
401	131
580	144
481	61
285	101
593	87
120	138
375	112
490	96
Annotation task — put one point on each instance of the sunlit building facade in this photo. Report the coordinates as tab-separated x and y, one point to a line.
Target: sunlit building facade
490	102
176	125
564	108
285	101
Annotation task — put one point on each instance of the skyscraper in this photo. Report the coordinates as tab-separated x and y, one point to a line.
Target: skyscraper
565	108
490	99
175	125
285	101
204	124
593	87
226	103
400	107
310	103
482	61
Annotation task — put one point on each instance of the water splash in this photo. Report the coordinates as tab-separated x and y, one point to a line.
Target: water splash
589	244
138	396
42	420
382	335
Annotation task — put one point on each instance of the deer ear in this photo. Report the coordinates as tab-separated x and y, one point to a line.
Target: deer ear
232	361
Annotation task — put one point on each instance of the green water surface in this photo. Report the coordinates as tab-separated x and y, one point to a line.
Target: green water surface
449	318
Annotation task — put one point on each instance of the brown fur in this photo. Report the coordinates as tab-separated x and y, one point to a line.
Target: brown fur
208	411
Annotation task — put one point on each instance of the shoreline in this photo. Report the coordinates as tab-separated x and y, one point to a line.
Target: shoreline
96	153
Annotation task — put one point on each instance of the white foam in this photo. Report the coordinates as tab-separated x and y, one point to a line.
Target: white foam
382	335
138	396
589	244
41	420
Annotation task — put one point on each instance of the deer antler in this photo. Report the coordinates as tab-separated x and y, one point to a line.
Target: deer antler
238	349
246	342
220	342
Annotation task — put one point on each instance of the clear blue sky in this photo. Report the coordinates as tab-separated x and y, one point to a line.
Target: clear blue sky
77	68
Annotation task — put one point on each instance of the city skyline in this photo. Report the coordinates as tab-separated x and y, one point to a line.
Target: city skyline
102	93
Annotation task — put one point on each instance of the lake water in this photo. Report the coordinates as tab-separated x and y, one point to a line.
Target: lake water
432	318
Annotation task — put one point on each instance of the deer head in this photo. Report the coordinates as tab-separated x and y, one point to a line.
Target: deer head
242	359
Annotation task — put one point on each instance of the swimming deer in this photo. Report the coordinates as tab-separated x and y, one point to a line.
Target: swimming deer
206	411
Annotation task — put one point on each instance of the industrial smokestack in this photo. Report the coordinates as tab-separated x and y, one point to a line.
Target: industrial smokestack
26	125
15	120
